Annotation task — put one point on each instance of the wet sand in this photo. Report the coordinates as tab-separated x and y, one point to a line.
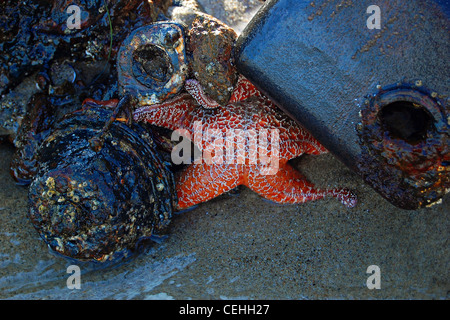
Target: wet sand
240	246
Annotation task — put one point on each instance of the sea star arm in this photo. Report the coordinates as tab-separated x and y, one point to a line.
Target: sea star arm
196	91
244	89
300	145
202	182
294	140
175	113
290	186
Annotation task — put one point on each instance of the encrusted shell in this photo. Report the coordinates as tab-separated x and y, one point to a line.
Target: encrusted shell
98	205
211	44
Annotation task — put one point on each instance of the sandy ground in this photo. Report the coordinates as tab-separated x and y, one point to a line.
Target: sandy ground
241	246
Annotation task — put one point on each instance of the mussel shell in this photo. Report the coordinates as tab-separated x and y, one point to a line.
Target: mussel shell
152	62
98	205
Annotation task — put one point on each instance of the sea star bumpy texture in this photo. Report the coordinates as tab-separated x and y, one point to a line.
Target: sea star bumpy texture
195	89
247	111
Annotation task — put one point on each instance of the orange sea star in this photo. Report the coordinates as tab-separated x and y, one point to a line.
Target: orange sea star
247	111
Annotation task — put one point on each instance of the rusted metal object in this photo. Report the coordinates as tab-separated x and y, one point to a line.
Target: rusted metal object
378	99
152	62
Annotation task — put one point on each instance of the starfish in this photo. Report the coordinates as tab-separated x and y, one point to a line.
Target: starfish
247	111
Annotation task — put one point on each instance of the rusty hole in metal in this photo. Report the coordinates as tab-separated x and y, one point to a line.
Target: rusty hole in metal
152	61
407	121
